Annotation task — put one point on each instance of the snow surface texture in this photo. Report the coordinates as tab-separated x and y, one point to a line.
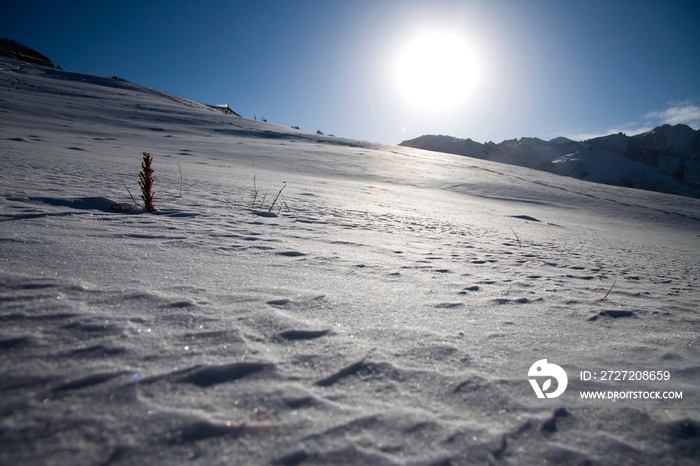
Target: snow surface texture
665	159
388	316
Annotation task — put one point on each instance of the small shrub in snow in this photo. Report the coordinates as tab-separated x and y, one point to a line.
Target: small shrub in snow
276	197
146	182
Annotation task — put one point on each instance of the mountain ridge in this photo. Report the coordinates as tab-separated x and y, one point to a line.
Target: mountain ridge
13	49
665	159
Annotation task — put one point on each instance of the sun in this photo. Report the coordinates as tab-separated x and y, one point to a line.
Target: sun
436	71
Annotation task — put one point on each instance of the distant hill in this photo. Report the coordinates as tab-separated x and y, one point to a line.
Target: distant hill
665	159
13	49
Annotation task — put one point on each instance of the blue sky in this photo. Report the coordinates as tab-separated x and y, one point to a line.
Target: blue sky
541	68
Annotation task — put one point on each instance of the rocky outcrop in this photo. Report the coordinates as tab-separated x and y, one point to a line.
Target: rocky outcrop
13	49
223	108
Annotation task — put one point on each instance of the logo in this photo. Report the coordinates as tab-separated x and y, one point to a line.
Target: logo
543	369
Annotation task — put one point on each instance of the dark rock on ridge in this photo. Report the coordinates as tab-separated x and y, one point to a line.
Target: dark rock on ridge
13	49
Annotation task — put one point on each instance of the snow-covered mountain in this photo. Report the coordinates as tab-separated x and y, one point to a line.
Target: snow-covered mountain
665	159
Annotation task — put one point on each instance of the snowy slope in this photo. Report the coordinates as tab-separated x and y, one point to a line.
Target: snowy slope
388	314
666	159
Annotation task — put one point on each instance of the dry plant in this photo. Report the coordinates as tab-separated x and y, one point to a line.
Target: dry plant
146	182
180	168
255	188
262	202
276	197
611	287
288	210
132	197
516	237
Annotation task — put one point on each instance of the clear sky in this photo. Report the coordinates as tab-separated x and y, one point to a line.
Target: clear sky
390	70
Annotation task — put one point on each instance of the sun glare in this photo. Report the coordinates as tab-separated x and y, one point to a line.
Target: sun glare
436	71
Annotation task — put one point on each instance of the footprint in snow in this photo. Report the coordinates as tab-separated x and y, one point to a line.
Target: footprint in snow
525	217
279	302
292	254
615	314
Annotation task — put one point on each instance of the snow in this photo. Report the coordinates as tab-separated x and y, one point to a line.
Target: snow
388	314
